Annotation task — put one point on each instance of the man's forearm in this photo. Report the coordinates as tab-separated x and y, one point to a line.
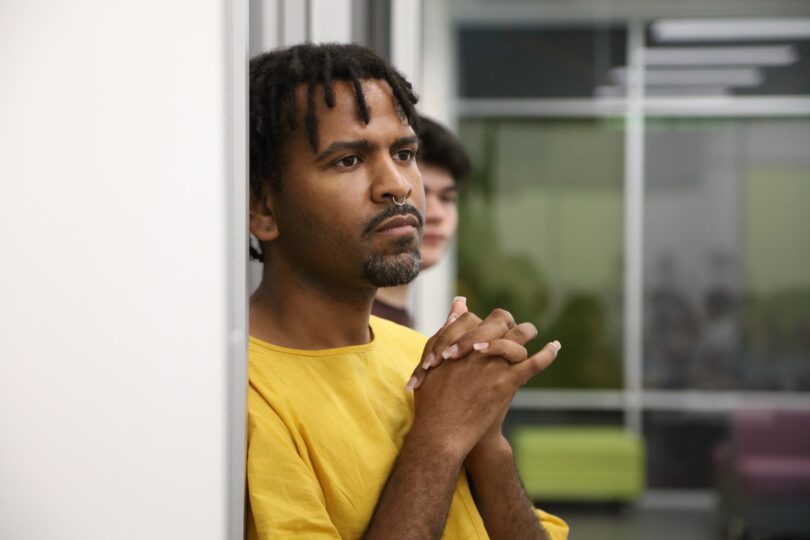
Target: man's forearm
416	499
499	495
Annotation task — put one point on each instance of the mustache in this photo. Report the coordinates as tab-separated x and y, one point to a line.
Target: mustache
390	212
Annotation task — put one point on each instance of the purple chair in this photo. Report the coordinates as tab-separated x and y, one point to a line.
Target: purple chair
764	474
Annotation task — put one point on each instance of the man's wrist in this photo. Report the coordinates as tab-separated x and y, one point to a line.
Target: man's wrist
488	450
448	449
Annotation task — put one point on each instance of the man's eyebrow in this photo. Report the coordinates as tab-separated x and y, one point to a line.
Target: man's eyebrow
338	146
404	141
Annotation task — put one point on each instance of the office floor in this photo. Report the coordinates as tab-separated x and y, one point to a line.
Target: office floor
637	523
659	515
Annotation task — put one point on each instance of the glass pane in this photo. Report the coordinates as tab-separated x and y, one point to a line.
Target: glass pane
510	62
680	447
519	418
541	235
726	257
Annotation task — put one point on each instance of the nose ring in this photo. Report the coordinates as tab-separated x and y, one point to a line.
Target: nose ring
396	202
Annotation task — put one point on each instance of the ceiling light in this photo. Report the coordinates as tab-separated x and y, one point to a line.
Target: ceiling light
731	29
693	77
763	55
663	91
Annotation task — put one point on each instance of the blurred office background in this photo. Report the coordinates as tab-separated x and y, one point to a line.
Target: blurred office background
641	192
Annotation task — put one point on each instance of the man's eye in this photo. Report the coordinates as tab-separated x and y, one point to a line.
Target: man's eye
405	155
347	162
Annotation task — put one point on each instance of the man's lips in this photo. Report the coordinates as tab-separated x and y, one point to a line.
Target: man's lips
401	224
384	219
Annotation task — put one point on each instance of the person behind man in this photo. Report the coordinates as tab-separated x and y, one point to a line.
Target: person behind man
443	163
338	445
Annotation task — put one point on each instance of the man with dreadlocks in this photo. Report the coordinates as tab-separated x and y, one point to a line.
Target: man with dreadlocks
345	438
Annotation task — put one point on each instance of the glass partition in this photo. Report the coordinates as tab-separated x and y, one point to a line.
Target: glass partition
697	181
541	232
541	61
727	264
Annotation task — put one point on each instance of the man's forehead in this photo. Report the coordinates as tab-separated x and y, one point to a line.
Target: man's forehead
345	119
376	92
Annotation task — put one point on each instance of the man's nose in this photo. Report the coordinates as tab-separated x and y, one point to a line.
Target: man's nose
391	182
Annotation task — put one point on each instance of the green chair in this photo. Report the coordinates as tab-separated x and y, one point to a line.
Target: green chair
580	463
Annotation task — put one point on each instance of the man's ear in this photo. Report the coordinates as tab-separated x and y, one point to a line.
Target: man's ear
263	223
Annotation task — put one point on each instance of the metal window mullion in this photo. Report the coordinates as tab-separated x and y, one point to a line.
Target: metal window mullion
692	401
406	37
540	108
330	20
433	290
737	106
633	225
294	23
236	271
692	107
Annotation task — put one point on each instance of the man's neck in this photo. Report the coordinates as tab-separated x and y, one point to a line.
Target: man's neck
289	312
394	296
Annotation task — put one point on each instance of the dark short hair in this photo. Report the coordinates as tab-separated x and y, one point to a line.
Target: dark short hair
441	148
274	78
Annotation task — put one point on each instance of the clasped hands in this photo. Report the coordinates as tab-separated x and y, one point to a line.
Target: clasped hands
461	406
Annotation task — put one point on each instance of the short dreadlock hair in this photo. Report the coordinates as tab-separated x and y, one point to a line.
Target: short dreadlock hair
274	77
440	148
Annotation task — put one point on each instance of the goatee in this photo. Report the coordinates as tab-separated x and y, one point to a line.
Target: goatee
392	270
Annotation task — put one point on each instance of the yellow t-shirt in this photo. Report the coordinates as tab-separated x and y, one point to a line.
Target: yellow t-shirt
324	430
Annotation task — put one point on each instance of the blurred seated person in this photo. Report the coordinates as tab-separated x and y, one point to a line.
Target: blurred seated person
444	164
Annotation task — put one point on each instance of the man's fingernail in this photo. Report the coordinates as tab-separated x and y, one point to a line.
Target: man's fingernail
460	299
480	346
450	352
556	345
411	383
428	361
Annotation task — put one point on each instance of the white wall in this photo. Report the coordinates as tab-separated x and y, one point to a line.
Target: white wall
121	319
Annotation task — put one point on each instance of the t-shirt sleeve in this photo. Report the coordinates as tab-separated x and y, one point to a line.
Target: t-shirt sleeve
555	528
285	498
